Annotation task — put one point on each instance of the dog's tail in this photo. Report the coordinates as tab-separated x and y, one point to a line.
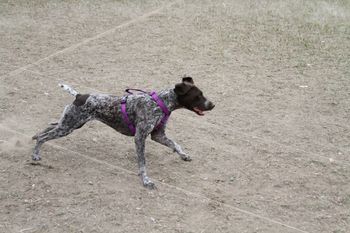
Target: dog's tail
68	89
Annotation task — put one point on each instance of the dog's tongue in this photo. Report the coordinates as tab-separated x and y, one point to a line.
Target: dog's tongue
198	111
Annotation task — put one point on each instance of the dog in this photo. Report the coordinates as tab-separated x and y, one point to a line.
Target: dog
135	115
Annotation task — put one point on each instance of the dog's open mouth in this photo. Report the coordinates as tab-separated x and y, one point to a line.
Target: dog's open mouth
198	111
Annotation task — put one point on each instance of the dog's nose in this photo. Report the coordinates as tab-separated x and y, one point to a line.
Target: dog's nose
211	105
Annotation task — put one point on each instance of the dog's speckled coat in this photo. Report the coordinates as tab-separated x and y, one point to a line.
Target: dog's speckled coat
143	112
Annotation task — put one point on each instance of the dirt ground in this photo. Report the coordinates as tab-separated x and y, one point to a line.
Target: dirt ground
273	156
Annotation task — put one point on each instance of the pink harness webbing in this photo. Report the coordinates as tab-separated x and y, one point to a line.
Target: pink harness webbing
156	98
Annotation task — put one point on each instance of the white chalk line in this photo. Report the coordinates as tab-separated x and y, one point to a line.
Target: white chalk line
190	193
100	35
328	159
338	161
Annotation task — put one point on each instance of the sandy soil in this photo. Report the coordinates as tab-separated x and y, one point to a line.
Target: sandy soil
273	156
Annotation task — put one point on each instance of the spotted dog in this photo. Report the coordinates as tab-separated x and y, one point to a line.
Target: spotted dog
142	111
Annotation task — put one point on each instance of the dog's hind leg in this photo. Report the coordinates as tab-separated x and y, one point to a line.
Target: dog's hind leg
72	118
52	126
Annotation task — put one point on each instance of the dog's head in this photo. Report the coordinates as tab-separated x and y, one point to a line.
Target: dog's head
191	97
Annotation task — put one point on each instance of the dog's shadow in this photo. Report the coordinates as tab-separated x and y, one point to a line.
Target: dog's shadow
41	165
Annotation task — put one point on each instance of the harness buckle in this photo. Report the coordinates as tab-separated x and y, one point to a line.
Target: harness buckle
124	99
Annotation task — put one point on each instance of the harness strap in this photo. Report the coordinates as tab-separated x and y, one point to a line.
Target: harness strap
162	106
128	90
156	98
126	117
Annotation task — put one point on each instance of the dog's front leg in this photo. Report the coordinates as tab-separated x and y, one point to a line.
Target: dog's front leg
160	137
140	141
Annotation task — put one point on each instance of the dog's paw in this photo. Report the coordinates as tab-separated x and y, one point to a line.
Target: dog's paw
147	183
185	157
36	157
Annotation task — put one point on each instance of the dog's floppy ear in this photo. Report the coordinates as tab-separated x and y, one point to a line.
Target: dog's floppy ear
187	80
182	88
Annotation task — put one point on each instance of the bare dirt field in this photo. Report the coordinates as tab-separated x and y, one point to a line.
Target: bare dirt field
273	156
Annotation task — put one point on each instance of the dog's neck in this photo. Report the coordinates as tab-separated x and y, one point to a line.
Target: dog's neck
169	98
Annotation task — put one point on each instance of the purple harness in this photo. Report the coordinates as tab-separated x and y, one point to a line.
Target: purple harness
156	98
